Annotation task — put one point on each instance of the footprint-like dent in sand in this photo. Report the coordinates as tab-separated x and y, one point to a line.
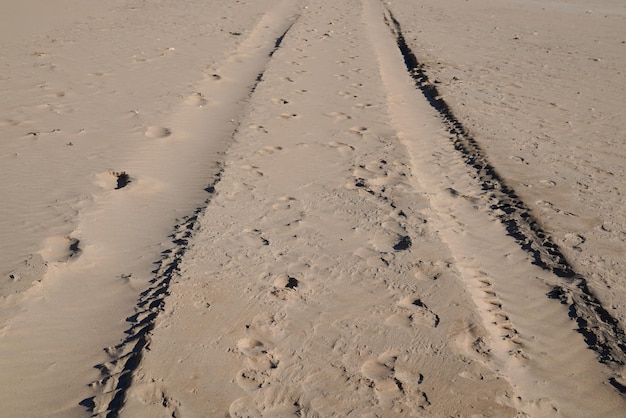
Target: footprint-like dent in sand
113	180
404	243
251	347
342	146
347	95
253	237
243	408
123	179
284	281
372	257
359	130
29	271
284	286
417	311
393	384
399	320
259	364
269	150
253	169
60	249
250	380
156	132
196	99
10	122
574	241
339	116
283	203
375	370
411	302
259	128
547	183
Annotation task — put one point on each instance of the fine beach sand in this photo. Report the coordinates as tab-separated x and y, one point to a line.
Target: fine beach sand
313	208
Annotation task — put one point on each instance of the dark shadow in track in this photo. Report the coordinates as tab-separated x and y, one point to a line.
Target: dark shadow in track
601	331
126	356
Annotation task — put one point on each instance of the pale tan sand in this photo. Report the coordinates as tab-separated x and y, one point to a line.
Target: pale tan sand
543	86
348	261
112	95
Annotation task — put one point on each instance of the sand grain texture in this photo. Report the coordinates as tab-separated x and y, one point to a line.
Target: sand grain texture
312	208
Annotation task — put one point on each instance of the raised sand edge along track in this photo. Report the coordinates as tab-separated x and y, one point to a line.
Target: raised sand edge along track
295	223
509	279
244	71
601	330
80	305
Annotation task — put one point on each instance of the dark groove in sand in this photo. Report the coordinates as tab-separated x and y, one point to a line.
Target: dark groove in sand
126	356
601	331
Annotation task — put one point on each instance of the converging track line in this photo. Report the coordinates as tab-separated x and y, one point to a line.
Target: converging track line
601	331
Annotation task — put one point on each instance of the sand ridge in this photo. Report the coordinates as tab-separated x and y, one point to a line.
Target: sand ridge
303	304
74	292
542	87
311	227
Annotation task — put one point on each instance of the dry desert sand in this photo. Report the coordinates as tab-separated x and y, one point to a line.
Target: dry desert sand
313	208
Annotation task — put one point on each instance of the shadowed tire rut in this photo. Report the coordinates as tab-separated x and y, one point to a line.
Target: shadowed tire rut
601	331
125	358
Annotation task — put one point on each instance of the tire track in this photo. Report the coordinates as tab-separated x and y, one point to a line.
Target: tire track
314	286
601	331
125	358
271	291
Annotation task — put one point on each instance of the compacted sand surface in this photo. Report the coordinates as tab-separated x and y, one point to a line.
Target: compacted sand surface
312	208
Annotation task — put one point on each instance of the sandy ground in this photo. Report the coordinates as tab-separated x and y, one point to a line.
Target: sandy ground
304	208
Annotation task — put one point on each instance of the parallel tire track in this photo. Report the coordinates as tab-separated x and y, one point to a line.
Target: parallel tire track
125	358
601	331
